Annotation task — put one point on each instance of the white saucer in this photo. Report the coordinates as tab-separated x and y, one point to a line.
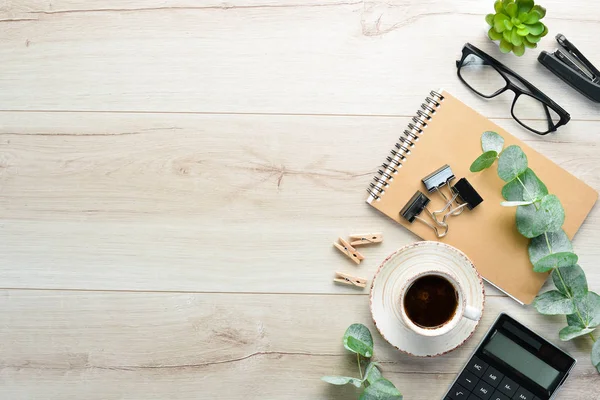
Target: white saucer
396	269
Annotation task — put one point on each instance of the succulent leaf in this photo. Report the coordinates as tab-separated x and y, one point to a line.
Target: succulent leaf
540	10
535	29
505	46
517	25
528	44
498	7
525	5
522	16
492	34
515	39
512	10
499	25
532	17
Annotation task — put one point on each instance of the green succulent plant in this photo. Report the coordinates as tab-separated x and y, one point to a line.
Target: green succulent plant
517	25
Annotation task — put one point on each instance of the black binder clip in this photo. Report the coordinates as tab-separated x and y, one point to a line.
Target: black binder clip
436	181
467	194
415	206
570	65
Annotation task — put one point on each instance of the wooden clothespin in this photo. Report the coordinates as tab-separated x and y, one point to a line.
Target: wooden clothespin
366	238
346	279
349	251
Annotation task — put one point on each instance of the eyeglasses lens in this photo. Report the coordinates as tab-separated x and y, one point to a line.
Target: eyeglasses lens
480	76
534	114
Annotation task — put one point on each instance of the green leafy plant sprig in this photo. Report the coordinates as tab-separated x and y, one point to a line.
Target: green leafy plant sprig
358	339
517	25
540	217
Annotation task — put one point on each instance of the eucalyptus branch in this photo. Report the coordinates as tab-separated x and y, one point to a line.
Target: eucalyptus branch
540	217
358	339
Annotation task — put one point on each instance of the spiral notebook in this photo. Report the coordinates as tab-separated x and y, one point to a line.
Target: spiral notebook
446	131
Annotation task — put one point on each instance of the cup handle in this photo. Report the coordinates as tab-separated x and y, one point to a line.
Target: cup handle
472	313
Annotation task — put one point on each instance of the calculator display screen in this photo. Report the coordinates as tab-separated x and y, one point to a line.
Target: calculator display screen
522	360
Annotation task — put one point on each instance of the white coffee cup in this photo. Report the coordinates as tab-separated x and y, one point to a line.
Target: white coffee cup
463	310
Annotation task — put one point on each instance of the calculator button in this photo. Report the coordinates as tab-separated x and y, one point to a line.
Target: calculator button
483	390
476	366
508	386
523	394
468	380
499	396
458	392
492	376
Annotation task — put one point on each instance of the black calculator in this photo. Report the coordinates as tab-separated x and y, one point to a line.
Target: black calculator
512	363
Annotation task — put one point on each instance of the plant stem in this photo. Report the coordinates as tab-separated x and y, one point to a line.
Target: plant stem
556	269
527	190
359	369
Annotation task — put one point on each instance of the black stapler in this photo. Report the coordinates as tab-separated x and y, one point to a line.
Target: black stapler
571	66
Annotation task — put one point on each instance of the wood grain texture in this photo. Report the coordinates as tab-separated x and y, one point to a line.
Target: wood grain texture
98	345
173	173
330	57
92	191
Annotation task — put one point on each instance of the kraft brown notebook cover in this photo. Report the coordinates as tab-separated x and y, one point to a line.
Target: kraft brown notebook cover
487	234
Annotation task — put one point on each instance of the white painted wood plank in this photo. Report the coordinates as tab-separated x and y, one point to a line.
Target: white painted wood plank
210	202
272	57
90	345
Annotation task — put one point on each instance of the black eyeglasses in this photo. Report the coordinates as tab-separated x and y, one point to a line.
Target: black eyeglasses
488	78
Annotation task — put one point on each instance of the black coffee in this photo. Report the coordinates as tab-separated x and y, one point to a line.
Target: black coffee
431	301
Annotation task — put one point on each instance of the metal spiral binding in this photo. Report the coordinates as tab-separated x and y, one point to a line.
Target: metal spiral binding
405	143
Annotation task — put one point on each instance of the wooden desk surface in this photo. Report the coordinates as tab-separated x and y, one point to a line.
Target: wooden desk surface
173	173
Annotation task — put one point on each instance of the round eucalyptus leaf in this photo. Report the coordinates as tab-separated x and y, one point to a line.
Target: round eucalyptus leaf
484	161
492	141
571	332
596	355
554	303
552	250
512	163
525	187
358	339
573	283
342	380
372	373
548	217
381	389
589	309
